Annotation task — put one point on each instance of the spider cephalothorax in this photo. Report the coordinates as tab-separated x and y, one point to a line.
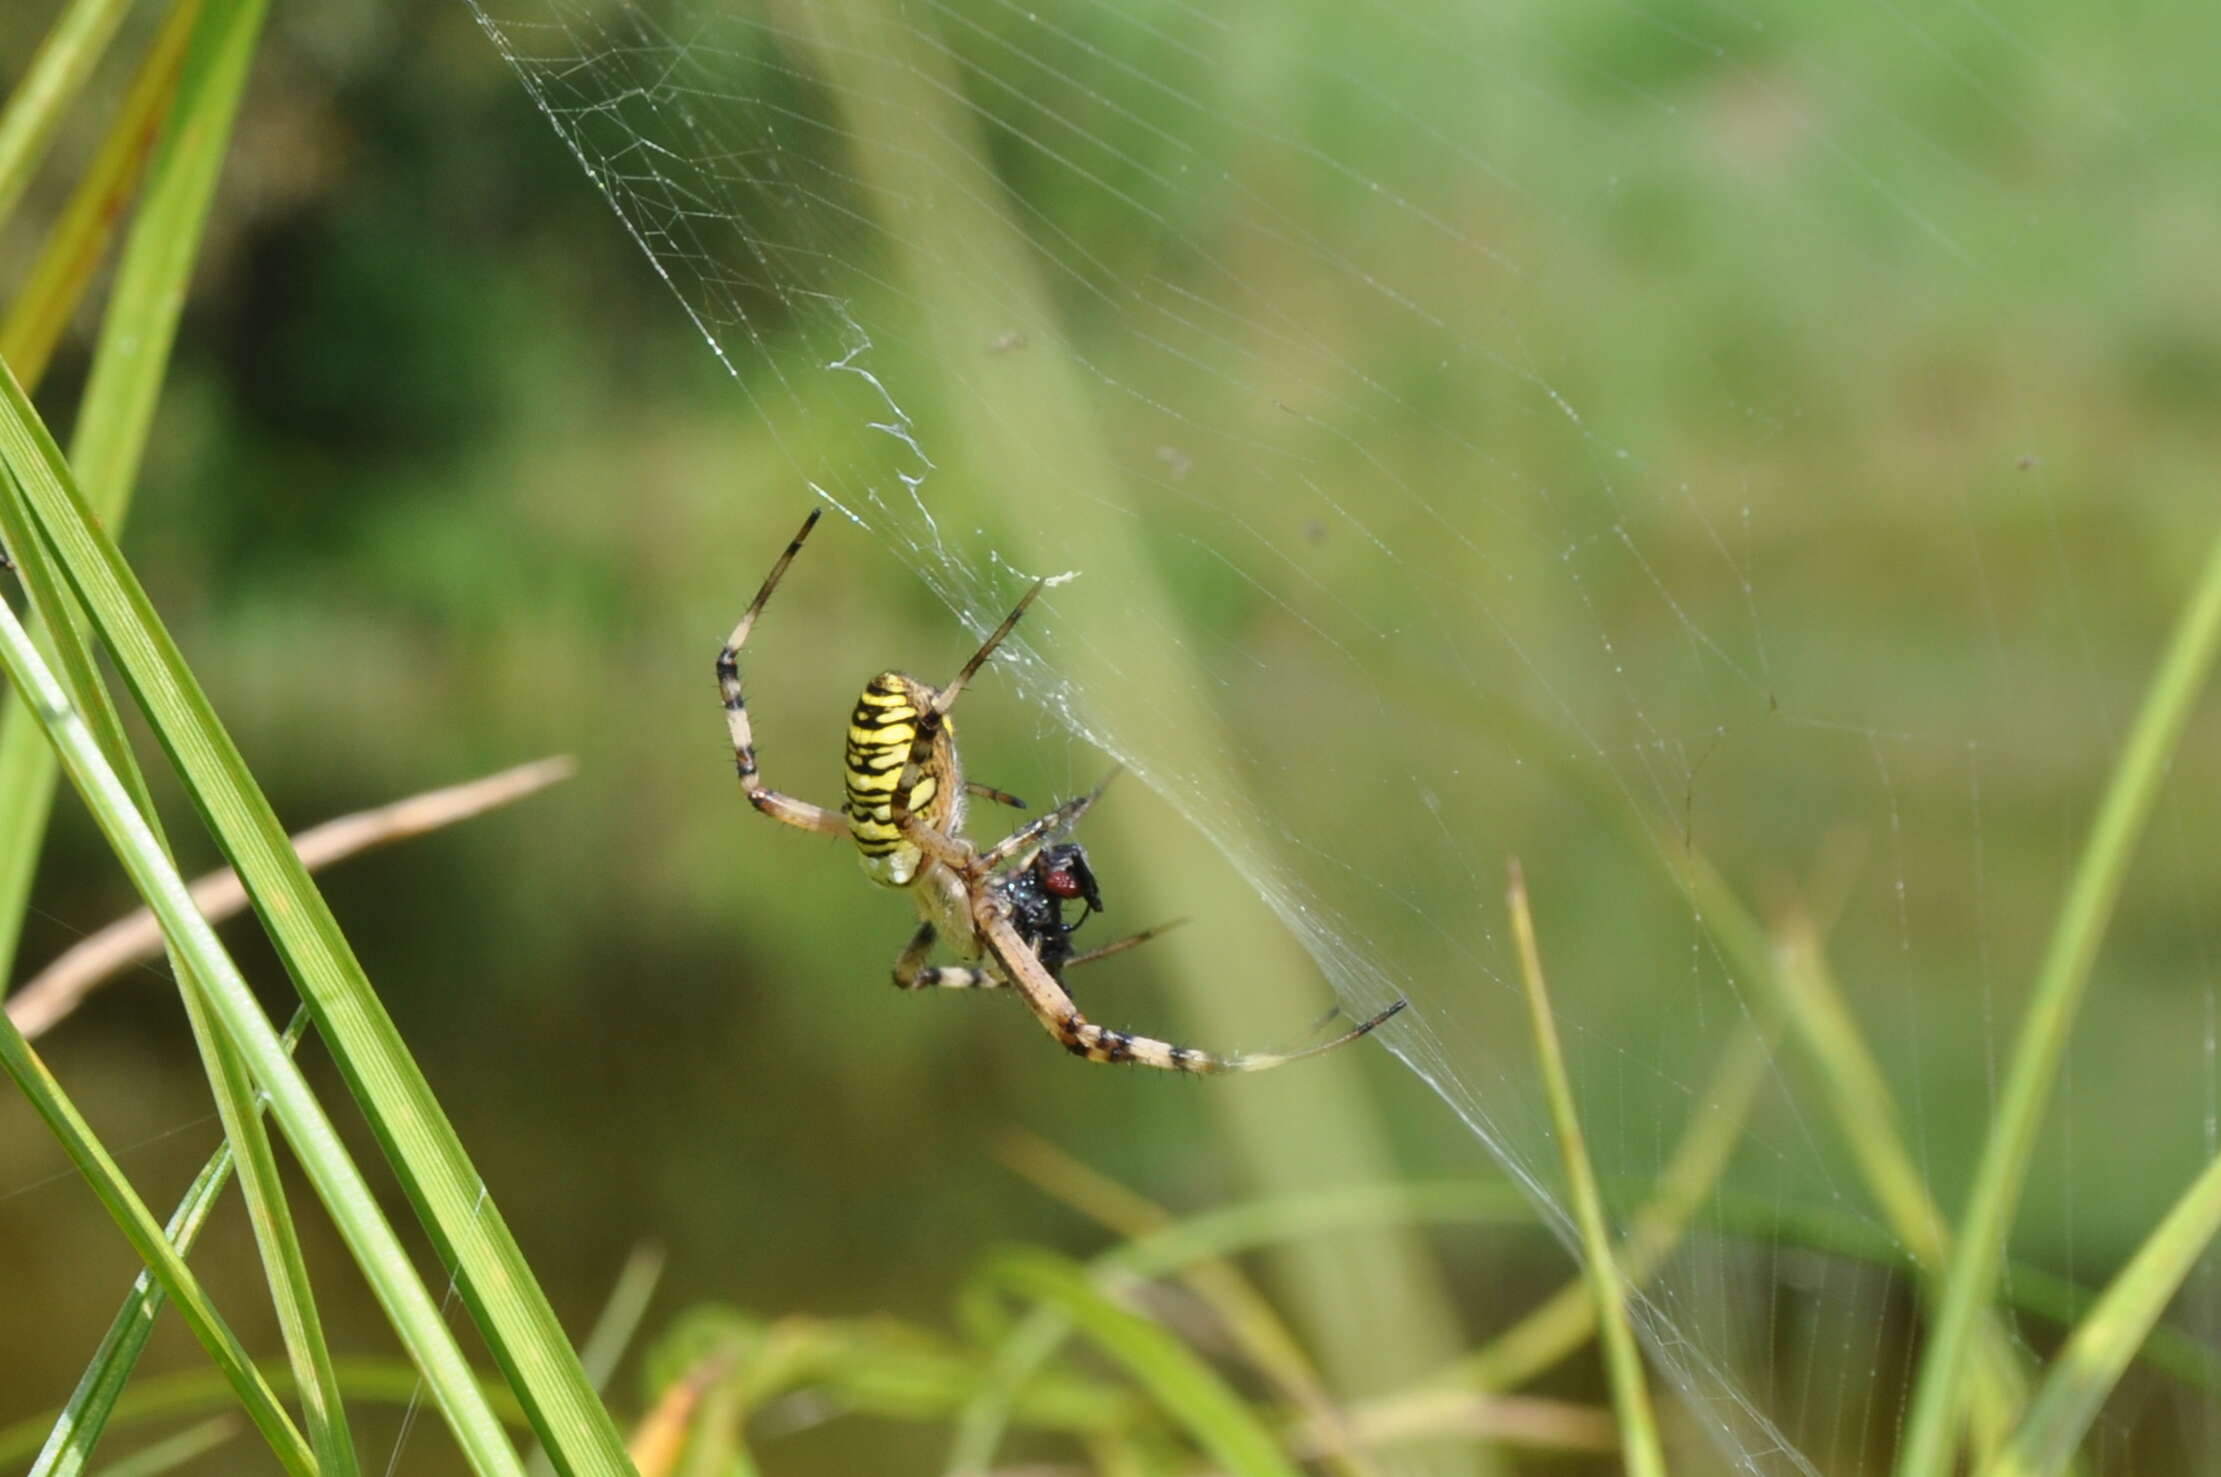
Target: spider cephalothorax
1003	906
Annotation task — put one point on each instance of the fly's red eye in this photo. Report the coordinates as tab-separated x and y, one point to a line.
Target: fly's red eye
1061	882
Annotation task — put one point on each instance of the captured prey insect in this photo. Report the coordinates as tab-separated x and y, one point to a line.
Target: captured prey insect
1002	908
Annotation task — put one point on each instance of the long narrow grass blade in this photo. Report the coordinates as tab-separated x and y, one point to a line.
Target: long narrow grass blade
83	1420
1645	1455
1504	1420
40	310
172	1452
353	1207
1567	1319
1866	1115
284	1265
1241	1309
50	996
2089	1364
58	69
130	1213
1796	976
1187	1388
620	1316
613	1329
1971	1279
131	358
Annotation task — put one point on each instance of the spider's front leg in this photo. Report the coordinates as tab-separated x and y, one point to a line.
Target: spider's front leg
1055	823
951	851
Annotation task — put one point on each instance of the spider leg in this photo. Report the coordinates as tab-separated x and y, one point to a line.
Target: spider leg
953	852
912	973
931	720
1131	941
800	814
1053	1007
1063	818
989	792
943	848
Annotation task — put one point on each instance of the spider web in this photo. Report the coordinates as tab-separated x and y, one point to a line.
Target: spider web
1590	434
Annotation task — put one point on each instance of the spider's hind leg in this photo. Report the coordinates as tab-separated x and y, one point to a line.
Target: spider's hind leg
943	848
1135	941
912	972
800	814
1083	1038
1052	1006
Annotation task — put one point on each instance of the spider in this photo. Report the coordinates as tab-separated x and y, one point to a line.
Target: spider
1001	909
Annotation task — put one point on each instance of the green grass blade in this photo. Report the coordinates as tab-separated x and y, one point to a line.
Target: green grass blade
2090	1363
1239	1228
353	1207
1566	1320
83	1420
130	1212
1852	1084
1254	1327
497	1286
1187	1388
622	1313
35	318
1970	1280
172	1452
26	799
1867	1116
39	312
1641	1449
613	1330
1235	1229
284	1265
132	355
59	69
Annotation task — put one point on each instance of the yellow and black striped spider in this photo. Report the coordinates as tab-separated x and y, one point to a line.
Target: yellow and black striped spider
1001	909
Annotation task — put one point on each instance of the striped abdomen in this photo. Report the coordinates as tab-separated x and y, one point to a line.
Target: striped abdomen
881	731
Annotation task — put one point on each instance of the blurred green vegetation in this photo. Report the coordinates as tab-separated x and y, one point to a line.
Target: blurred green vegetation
1877	358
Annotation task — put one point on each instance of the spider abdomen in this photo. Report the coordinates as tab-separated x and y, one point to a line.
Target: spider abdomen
882	730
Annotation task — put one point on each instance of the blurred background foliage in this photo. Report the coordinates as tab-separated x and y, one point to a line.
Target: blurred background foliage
443	480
